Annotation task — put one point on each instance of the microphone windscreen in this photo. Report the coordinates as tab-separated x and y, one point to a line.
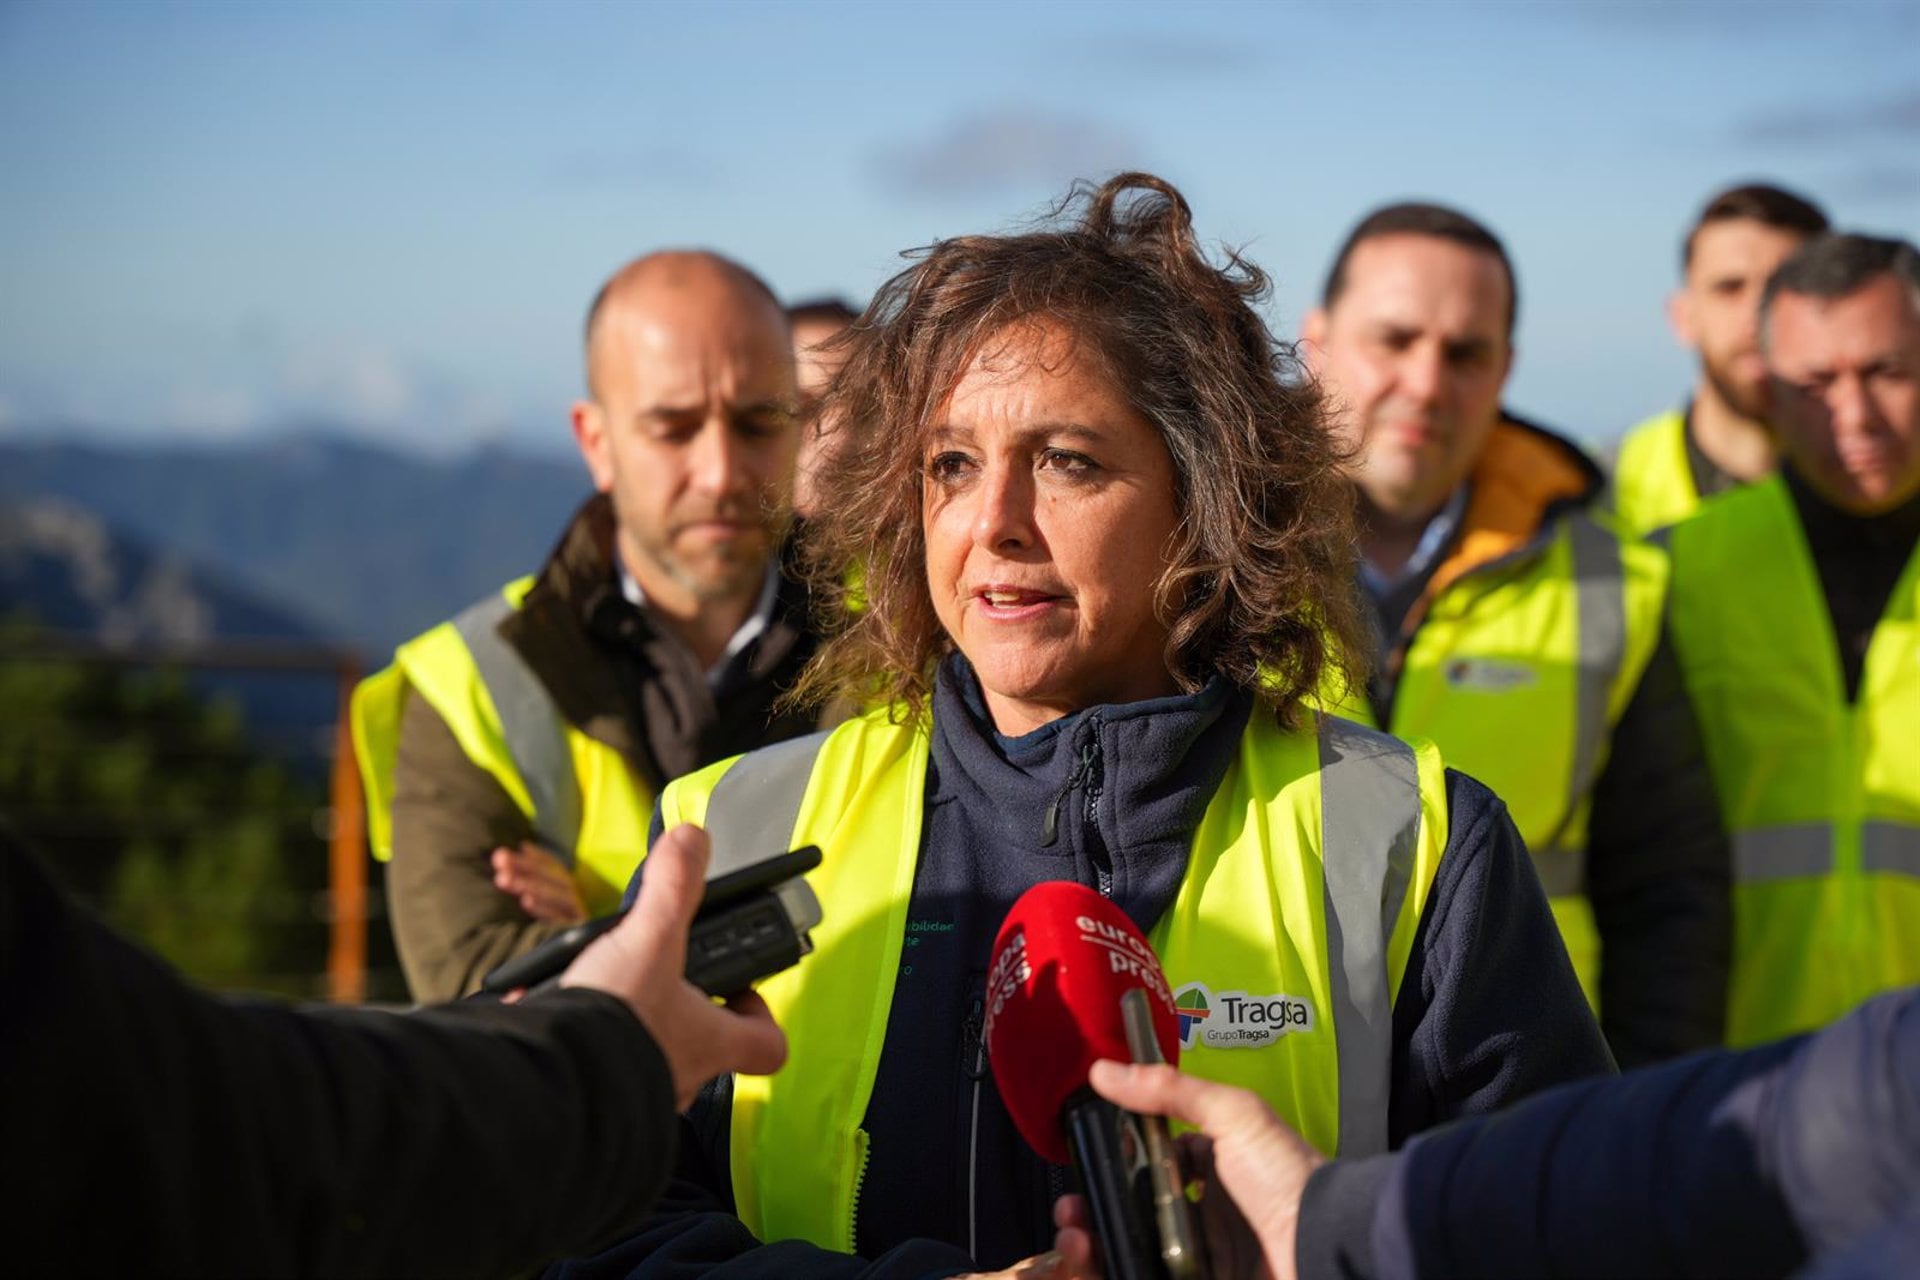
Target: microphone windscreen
1062	960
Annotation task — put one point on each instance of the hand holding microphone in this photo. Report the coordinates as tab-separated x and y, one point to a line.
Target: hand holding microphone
1252	1166
1070	973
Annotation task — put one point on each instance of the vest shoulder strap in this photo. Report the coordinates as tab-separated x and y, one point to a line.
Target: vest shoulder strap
531	727
1620	587
1601	608
1370	832
753	808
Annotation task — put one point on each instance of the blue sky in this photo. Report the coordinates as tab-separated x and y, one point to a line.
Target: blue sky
225	220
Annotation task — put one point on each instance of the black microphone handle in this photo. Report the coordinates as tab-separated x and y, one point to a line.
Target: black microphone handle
548	960
1109	1153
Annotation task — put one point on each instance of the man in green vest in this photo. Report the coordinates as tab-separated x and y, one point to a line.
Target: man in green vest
1796	619
1719	439
1516	629
512	755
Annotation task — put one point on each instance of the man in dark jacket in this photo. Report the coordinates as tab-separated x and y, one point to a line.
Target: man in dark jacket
518	748
1518	630
154	1130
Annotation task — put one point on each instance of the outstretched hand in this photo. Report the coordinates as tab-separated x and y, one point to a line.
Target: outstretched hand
643	961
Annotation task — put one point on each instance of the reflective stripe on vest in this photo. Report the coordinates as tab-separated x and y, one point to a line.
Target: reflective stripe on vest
756	803
1255	916
1652	476
1370	806
1820	795
579	796
1601	649
1520	671
1885	846
531	727
1597	576
1807	849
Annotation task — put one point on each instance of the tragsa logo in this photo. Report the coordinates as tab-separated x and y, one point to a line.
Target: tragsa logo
1190	1003
1236	1020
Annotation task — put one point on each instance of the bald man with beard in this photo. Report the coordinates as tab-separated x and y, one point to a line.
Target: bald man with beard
512	754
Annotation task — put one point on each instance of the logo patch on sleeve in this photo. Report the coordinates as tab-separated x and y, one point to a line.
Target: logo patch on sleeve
1489	675
1236	1020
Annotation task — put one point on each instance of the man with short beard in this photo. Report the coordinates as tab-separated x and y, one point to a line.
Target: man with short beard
1720	439
1796	621
512	755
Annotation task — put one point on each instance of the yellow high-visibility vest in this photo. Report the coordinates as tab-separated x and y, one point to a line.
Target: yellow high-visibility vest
1652	478
1520	670
1340	824
583	800
1821	797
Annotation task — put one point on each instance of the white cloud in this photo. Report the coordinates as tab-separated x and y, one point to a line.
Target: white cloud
354	385
373	392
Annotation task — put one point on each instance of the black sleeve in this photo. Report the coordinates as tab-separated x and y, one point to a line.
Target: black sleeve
689	1237
694	1231
1489	1009
152	1129
1658	871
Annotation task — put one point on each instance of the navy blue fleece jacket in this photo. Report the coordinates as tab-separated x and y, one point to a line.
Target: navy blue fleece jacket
1489	1010
1725	1163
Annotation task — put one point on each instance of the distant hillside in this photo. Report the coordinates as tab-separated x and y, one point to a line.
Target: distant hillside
371	545
63	568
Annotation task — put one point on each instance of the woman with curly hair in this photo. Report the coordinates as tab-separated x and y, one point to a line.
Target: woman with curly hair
1092	550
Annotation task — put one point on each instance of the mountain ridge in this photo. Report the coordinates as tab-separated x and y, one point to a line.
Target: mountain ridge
370	544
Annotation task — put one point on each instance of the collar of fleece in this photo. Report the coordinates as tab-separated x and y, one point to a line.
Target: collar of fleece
1525	477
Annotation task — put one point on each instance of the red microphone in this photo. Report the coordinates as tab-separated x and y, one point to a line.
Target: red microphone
1070	971
1062	960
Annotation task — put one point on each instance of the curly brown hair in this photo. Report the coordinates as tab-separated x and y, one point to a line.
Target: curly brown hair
1259	586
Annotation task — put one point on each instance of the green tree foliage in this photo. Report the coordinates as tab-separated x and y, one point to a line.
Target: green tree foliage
154	807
